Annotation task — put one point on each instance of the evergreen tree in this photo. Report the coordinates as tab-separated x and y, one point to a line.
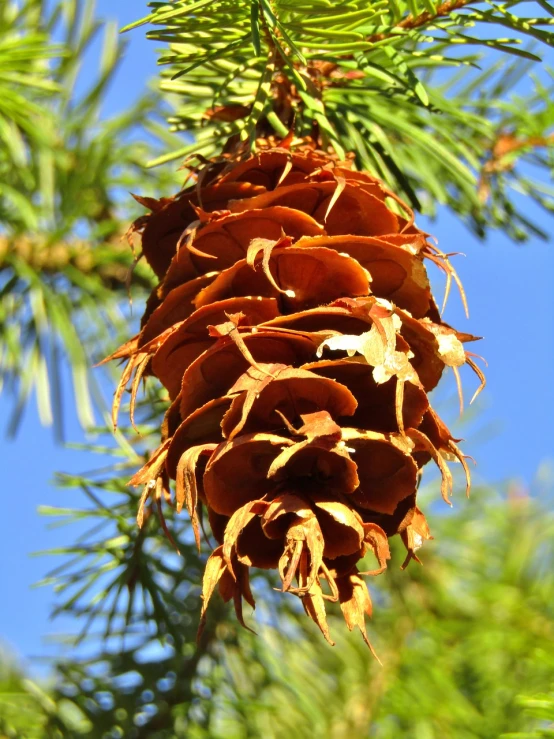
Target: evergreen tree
399	89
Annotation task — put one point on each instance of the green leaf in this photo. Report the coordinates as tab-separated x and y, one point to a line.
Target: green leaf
397	61
255	22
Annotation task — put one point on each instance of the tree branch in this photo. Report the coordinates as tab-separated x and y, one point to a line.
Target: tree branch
82	255
410	23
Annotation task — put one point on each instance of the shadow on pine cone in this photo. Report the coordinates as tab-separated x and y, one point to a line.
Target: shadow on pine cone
295	331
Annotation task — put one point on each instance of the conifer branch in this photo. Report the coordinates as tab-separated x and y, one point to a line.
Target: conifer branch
367	78
111	262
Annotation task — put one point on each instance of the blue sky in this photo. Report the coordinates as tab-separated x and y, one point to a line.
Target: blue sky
511	298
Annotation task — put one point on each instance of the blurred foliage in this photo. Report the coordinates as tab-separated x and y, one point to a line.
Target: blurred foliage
460	639
29	710
65	175
401	84
540	707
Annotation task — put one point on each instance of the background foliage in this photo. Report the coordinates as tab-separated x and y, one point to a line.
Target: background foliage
65	174
460	640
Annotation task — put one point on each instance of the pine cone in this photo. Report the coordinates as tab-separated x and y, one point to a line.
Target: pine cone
297	336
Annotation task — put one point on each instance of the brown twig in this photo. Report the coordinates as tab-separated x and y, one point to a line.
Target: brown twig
410	23
500	161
